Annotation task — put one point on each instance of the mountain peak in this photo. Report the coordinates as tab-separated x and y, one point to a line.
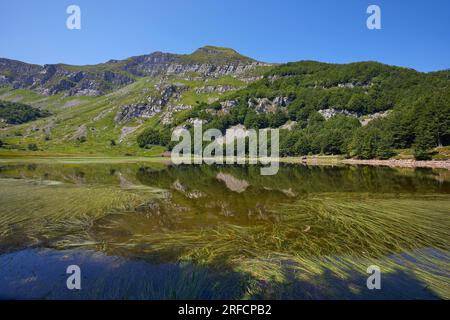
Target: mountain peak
217	55
216	50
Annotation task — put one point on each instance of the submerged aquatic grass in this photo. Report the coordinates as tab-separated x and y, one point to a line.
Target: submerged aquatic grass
334	235
316	226
306	233
42	211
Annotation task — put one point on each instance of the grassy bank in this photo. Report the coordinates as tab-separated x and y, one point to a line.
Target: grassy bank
440	157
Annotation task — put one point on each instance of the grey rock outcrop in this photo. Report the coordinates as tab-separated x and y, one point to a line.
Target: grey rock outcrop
363	119
52	79
215	89
154	105
289	125
331	112
196	121
262	105
167	117
228	105
133	111
370	117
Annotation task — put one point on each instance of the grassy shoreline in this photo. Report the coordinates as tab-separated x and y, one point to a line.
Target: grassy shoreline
307	160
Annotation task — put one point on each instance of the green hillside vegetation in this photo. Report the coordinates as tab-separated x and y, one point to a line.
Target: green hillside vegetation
419	105
413	109
97	114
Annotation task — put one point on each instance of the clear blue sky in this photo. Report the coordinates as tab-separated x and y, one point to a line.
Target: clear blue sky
414	33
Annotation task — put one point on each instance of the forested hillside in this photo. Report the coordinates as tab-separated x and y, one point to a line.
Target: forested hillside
362	109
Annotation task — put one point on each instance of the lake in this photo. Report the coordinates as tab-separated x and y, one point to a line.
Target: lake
150	230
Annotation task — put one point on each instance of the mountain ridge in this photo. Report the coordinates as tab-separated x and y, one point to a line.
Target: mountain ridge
98	79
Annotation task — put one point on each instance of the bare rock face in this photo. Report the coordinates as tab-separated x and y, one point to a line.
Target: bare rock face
153	64
363	119
159	63
19	74
167	117
154	105
329	113
87	84
196	121
63	85
170	91
210	70
351	85
262	105
133	111
289	125
228	105
215	89
370	117
56	78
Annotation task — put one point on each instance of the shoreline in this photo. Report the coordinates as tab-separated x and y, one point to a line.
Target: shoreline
404	163
393	163
310	160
